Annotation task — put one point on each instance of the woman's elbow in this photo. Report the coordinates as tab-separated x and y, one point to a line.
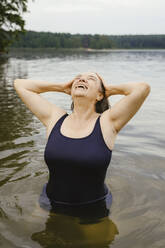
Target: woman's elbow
17	80
146	88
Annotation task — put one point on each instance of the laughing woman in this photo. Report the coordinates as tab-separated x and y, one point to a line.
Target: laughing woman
79	145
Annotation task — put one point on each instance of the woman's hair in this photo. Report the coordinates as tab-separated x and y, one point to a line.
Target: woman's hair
101	105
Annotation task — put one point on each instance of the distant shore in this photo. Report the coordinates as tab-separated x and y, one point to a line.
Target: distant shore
80	49
61	50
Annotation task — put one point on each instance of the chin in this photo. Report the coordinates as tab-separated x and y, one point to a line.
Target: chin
79	93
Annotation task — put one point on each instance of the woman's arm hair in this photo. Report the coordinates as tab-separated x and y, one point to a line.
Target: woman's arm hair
121	112
29	92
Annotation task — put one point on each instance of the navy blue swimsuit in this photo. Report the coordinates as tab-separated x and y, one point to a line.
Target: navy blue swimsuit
77	167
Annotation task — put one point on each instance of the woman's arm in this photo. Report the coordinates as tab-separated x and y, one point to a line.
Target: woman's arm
38	86
122	89
29	92
126	108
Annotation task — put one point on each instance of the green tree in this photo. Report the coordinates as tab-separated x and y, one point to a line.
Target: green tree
11	21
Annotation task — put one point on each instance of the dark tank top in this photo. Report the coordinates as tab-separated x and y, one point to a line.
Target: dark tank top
77	166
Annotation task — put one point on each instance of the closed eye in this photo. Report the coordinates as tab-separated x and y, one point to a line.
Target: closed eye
77	78
93	78
90	77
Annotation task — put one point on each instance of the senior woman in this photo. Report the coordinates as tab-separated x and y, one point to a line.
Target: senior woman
79	145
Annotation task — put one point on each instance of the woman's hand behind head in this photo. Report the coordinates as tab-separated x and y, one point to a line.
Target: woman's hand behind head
67	87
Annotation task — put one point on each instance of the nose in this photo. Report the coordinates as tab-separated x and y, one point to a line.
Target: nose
81	79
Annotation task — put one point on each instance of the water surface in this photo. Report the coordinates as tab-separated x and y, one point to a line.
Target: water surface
136	174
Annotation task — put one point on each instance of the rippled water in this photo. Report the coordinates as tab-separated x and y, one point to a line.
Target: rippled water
136	174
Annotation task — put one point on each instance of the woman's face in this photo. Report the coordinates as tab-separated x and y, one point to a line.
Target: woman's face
87	85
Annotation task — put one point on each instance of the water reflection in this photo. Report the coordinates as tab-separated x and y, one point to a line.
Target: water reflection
38	53
15	117
68	231
76	226
15	123
127	55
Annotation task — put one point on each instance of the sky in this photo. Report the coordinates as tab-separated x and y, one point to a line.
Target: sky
96	16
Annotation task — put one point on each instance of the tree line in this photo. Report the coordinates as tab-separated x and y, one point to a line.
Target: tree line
13	34
11	21
33	39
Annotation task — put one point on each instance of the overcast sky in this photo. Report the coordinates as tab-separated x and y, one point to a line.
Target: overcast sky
97	16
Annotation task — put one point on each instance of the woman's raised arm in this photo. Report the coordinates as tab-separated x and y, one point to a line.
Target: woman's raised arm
29	92
126	108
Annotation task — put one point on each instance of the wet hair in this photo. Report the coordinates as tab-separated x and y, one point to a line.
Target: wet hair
103	104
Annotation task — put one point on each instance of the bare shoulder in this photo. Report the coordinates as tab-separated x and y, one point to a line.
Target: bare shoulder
108	131
56	115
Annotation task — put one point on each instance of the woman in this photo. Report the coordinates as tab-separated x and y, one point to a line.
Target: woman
79	146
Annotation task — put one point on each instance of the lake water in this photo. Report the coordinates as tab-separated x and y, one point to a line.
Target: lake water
135	176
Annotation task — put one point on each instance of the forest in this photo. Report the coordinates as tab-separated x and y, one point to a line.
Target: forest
33	39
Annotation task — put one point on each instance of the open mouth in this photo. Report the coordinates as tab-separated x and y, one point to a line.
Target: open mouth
81	87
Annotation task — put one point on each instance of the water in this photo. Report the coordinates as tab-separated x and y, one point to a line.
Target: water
136	175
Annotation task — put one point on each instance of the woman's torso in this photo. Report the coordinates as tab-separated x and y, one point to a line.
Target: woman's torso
78	164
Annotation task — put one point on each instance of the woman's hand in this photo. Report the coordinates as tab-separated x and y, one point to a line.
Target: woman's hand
108	90
107	87
67	87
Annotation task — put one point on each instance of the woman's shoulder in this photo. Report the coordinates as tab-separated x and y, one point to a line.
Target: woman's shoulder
55	117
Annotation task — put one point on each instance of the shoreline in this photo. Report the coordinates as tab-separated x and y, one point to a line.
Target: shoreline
80	49
72	50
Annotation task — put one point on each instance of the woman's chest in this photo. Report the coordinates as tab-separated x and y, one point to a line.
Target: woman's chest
90	152
80	132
